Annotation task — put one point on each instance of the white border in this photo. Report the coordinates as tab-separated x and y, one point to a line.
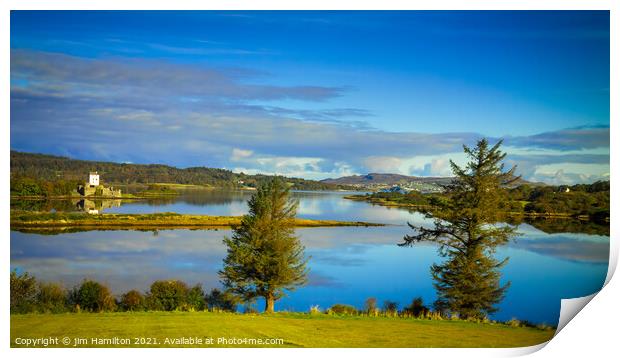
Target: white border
592	332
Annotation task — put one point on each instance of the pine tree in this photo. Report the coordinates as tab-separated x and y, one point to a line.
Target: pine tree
467	230
264	255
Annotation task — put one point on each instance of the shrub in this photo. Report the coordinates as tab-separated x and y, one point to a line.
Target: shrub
217	300
434	315
342	309
196	298
315	309
370	306
51	298
390	308
23	292
417	308
514	323
167	295
132	301
544	327
92	296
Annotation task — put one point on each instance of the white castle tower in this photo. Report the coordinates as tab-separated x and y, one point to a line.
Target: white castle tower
93	179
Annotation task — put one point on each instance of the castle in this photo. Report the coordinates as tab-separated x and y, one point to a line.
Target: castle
93	188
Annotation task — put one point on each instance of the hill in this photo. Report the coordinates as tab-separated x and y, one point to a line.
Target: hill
52	168
385	179
382	180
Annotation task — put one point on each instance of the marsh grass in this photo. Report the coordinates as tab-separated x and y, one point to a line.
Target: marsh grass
25	219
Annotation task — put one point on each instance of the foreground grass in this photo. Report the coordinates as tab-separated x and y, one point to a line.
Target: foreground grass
26	219
294	329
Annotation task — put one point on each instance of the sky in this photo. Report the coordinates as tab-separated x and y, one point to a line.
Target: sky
315	94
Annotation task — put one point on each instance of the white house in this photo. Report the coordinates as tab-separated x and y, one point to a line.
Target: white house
93	179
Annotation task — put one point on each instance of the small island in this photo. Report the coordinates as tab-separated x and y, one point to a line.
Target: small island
42	221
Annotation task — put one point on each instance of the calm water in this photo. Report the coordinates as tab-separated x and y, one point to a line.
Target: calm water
348	264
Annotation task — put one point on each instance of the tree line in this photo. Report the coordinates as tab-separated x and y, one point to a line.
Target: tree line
32	186
591	200
29	295
31	169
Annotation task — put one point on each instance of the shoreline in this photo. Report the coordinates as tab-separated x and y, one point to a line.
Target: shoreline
79	197
512	214
44	220
152	196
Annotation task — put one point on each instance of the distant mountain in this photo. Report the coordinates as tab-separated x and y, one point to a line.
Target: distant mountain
54	168
385	179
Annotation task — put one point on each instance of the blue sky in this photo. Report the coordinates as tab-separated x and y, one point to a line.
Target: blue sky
315	94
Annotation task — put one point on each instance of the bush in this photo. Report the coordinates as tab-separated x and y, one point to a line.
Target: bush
315	309
132	301
370	306
23	292
167	295
545	327
92	296
196	298
217	300
51	298
342	309
390	308
417	308
514	323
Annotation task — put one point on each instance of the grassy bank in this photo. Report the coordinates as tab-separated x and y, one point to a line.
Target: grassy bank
92	197
25	220
295	330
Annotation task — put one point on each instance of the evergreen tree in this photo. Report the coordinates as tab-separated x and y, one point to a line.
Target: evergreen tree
467	231
264	255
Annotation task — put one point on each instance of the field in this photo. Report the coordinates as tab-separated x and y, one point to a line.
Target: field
294	330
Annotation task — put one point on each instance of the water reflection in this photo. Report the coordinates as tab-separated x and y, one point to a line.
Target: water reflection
348	264
312	205
553	226
96	206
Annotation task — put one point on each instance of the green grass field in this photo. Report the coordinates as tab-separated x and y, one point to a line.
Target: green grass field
294	329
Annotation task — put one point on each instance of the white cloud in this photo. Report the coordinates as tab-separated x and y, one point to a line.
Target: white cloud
239	154
570	173
301	167
382	164
146	112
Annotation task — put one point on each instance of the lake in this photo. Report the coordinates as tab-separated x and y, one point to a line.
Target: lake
347	264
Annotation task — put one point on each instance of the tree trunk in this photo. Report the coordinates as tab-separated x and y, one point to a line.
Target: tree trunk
269	303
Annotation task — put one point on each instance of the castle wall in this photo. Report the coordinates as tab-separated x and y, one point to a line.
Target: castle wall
87	190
